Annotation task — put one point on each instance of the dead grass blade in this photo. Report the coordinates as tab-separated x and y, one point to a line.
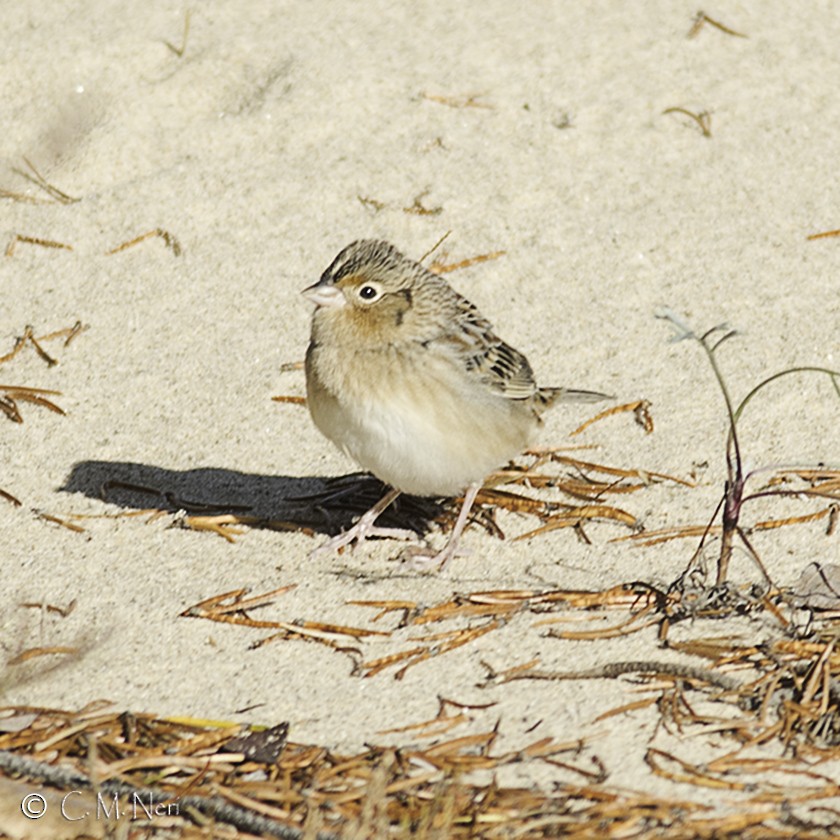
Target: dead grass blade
57	520
624	628
668	766
11	395
645	476
8	496
438	266
434	646
662	535
51	608
469	100
768	524
34	653
234	601
35	177
168	239
578	515
289	399
232	608
640	409
34	240
442	722
824	235
703	119
701	19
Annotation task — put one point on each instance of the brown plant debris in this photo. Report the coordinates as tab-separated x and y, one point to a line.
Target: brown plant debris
182	48
286	398
233	608
443	721
197	777
658	670
785	690
35	177
28	339
11	395
817	484
28	336
419	209
823	480
10	498
640	409
438	266
371	203
33	653
168	239
477	614
57	520
51	608
225	775
701	19
469	100
703	119
824	235
34	240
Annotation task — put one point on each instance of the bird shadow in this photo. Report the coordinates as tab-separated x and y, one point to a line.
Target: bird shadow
308	503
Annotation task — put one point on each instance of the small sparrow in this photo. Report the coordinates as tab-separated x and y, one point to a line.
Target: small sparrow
408	378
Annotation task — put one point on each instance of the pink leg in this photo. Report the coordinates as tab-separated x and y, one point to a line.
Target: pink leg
365	528
424	557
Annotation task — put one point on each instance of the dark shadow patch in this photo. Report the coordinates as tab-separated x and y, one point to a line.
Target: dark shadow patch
324	505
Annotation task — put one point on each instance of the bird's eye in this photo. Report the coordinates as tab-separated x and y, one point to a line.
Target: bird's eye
368	293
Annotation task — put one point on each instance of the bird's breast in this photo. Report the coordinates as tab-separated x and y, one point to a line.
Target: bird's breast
415	418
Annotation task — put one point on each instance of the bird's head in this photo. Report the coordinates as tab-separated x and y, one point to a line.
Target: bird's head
368	295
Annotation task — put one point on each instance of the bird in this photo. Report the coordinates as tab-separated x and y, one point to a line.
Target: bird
410	380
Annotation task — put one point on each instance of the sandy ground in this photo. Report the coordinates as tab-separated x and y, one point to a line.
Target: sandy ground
275	139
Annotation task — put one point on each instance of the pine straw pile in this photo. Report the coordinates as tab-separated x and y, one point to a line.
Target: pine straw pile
173	775
769	712
170	778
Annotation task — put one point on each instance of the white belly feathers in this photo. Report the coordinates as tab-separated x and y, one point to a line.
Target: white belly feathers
422	435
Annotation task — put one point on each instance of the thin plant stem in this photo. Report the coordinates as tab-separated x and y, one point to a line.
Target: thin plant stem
733	494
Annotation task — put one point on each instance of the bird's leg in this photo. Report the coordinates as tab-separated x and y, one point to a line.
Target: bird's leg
423	557
448	551
364	528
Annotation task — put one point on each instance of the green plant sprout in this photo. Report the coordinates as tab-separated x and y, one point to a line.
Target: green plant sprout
734	493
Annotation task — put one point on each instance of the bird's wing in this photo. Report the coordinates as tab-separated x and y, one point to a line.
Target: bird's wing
501	367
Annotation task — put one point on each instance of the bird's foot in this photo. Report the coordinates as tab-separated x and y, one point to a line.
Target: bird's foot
356	535
422	558
364	528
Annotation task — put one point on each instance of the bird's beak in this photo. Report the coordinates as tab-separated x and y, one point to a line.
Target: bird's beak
322	295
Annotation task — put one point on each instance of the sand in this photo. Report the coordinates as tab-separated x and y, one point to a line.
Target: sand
276	138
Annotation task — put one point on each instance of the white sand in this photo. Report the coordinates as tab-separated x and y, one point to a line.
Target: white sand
253	150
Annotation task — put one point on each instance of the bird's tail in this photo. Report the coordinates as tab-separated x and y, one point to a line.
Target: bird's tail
547	397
